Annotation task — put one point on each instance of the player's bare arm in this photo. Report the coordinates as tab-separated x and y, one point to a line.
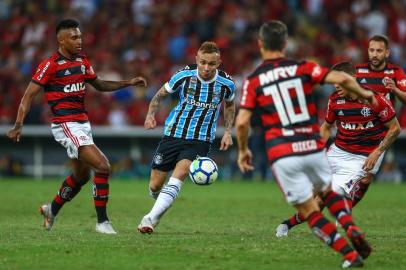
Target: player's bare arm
325	130
30	93
393	132
109	86
242	124
391	85
349	83
229	114
150	121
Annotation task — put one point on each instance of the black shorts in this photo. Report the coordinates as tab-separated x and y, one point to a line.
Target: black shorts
171	150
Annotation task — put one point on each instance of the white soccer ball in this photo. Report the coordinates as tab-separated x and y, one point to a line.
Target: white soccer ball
203	171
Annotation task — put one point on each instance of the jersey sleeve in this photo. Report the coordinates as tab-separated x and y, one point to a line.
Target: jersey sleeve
401	80
317	72
330	115
230	92
385	110
43	73
173	85
248	97
90	75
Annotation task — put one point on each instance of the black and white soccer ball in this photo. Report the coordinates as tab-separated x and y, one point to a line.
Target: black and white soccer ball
203	171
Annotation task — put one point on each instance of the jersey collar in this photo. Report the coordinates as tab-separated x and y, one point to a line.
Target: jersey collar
203	80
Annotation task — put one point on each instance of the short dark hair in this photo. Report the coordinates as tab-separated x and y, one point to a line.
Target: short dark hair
345	66
274	35
209	47
66	24
380	38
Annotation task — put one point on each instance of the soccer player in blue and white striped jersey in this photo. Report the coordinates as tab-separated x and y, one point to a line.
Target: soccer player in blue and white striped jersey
190	127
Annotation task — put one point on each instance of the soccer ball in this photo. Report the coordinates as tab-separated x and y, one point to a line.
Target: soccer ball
203	171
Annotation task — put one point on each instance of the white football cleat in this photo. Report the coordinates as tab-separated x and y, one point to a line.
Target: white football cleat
282	230
146	225
49	218
105	227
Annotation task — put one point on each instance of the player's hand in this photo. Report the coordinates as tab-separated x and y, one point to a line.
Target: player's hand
245	161
15	133
369	98
226	141
389	83
150	122
138	81
371	160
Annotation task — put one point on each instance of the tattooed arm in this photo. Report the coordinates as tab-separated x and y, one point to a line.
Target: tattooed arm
109	86
150	121
229	114
393	132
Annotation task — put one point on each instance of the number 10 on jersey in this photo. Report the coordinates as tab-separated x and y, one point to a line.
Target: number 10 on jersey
283	101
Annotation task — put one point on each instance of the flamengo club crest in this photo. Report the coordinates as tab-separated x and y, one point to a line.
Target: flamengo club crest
366	112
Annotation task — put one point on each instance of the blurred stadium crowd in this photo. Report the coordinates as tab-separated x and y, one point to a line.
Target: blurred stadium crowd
153	38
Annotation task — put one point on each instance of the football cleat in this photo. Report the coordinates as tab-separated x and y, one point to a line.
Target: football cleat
105	227
354	260
146	225
359	242
49	218
282	230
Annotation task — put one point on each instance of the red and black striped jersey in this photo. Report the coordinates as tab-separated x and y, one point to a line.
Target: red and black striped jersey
360	127
374	79
64	81
282	91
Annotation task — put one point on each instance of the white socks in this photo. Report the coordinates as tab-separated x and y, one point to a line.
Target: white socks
165	199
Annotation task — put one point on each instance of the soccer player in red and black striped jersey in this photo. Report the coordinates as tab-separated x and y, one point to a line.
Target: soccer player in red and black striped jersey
282	90
384	78
379	75
364	133
63	77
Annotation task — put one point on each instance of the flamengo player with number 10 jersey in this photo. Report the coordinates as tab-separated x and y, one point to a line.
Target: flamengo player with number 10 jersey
281	90
364	133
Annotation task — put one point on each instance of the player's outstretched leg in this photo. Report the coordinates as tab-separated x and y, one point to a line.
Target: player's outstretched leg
68	190
340	207
283	228
165	199
327	232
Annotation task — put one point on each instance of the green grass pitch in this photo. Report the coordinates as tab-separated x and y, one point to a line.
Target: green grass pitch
228	225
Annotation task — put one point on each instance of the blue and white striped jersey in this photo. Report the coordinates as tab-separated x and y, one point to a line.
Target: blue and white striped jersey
195	116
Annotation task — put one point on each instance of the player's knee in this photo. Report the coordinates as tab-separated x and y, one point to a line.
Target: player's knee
103	167
155	187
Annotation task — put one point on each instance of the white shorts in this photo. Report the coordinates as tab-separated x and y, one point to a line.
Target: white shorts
299	176
72	135
347	168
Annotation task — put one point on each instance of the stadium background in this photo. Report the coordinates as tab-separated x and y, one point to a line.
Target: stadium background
154	38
